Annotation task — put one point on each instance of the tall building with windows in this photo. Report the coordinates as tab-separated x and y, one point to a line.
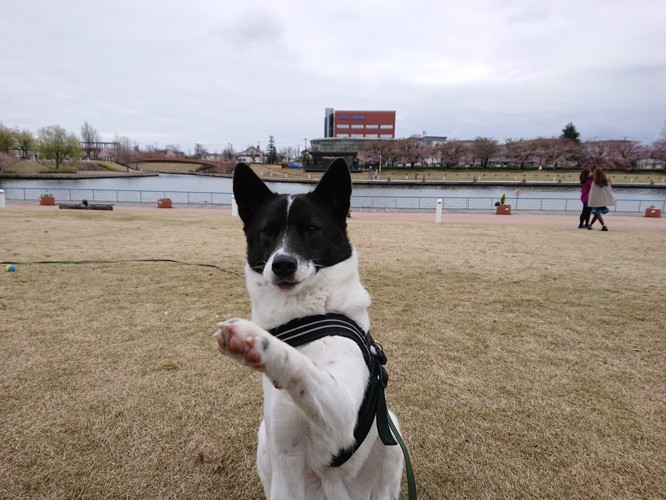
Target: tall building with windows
329	123
359	124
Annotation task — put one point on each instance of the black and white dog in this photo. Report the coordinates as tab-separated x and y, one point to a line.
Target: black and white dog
325	433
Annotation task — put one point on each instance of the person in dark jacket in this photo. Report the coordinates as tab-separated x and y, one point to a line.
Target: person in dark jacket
585	185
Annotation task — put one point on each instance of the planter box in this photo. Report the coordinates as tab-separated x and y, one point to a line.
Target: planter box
503	209
653	212
164	203
47	201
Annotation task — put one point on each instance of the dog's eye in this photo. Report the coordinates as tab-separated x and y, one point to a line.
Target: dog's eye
268	232
312	229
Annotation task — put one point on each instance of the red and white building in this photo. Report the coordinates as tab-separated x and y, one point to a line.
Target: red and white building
358	124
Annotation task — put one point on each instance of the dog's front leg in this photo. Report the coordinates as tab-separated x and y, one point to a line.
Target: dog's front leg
321	397
290	370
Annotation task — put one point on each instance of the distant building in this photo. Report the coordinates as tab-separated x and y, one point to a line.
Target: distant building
329	123
252	155
358	124
342	144
431	140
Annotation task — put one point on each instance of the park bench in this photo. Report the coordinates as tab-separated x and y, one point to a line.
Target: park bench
84	205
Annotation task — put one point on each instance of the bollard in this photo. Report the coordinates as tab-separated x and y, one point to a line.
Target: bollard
438	212
234	207
2	198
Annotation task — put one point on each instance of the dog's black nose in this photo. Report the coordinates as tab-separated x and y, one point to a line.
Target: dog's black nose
284	266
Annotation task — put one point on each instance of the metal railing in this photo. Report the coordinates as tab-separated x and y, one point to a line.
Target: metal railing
535	204
358	202
119	195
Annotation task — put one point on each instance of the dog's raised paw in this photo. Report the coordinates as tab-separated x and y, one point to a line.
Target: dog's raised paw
238	339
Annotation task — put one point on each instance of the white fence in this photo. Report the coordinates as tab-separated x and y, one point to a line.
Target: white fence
358	202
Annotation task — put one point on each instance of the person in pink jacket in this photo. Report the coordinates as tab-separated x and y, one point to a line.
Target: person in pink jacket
585	185
601	195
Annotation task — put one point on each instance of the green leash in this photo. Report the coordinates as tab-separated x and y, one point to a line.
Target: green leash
411	482
123	261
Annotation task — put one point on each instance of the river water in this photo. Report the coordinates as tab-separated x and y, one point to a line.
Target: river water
207	189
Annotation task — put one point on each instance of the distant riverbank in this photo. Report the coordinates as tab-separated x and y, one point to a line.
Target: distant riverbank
78	175
394	178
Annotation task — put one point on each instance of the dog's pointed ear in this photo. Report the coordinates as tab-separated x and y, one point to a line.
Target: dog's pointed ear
335	188
249	191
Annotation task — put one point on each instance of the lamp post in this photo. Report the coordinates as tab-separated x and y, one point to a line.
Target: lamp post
380	164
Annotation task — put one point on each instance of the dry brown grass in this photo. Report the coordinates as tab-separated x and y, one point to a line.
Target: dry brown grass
26	167
525	362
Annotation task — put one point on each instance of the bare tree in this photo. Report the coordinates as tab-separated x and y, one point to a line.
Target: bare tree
89	139
658	150
627	153
542	149
521	151
379	151
566	150
288	153
126	152
410	150
229	154
595	151
173	150
484	149
200	151
449	153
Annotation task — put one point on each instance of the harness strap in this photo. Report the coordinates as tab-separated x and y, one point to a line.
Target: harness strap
373	408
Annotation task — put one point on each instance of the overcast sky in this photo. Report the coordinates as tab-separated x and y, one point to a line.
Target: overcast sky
234	72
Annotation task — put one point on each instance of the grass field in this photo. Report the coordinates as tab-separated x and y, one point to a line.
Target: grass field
467	175
33	167
525	362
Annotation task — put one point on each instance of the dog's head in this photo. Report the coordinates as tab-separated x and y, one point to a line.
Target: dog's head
291	237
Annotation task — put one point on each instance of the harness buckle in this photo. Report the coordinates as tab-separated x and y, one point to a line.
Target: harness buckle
380	352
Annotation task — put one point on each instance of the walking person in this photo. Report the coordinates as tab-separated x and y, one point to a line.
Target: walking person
585	185
601	195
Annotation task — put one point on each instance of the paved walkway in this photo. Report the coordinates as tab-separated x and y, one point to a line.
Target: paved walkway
518	218
552	219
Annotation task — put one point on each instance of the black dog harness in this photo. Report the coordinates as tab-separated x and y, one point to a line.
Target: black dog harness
305	330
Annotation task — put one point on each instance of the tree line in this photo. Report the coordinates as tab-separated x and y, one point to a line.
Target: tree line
565	151
56	144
